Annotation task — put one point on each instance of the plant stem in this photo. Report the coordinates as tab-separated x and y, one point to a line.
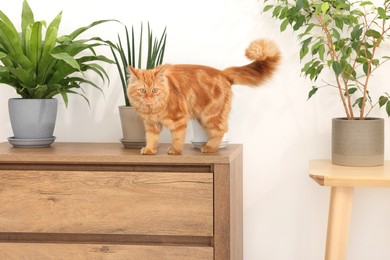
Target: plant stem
333	55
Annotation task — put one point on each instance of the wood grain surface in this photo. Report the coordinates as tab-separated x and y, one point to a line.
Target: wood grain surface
139	203
37	251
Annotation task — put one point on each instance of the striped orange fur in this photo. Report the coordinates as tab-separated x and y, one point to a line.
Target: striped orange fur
170	95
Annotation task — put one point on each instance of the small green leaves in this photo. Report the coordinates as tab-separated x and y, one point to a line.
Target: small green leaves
342	37
283	25
383	100
336	66
313	90
324	7
356	32
267	8
373	33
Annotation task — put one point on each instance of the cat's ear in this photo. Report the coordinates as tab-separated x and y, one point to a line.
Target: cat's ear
133	72
133	76
160	73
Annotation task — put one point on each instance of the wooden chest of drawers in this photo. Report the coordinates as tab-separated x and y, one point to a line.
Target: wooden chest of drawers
102	201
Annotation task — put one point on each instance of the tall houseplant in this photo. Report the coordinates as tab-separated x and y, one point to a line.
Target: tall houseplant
42	65
126	53
342	37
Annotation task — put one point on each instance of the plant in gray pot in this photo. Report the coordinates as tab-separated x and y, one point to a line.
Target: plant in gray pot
127	53
40	66
343	37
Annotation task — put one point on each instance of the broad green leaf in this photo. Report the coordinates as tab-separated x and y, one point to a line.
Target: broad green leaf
27	19
47	62
68	59
22	61
79	80
40	91
10	38
35	44
85	59
61	71
80	30
26	78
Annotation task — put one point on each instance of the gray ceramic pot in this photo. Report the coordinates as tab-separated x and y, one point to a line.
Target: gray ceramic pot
133	128
32	118
358	142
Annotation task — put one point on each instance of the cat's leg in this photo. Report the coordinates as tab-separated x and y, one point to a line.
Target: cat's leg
215	129
153	130
213	143
178	131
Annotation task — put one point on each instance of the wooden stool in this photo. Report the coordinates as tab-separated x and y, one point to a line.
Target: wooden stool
343	180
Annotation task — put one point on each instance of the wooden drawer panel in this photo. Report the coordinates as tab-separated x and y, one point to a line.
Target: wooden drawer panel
36	251
139	203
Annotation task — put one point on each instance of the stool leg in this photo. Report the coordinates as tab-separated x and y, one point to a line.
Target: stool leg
338	223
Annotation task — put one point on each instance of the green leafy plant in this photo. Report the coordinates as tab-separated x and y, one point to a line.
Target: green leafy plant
42	65
341	36
126	54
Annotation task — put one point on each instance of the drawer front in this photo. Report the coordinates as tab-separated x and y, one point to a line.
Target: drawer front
36	251
139	203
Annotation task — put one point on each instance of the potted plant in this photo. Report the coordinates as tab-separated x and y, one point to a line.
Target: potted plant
40	66
126	53
344	38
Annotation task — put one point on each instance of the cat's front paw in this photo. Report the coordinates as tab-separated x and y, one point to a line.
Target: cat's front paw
173	151
148	151
208	149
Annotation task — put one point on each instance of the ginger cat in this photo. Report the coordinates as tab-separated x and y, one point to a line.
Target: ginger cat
170	95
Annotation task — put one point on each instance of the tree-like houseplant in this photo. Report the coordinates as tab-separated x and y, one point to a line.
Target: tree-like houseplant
40	66
343	37
126	53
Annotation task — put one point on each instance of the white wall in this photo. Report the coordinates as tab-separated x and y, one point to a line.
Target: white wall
285	212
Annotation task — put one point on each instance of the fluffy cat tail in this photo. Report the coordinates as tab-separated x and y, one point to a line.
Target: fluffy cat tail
265	56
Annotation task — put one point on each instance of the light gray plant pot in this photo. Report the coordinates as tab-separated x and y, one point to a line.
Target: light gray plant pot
32	118
358	142
133	128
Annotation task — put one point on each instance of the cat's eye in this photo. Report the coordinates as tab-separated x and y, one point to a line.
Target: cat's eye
154	90
142	90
